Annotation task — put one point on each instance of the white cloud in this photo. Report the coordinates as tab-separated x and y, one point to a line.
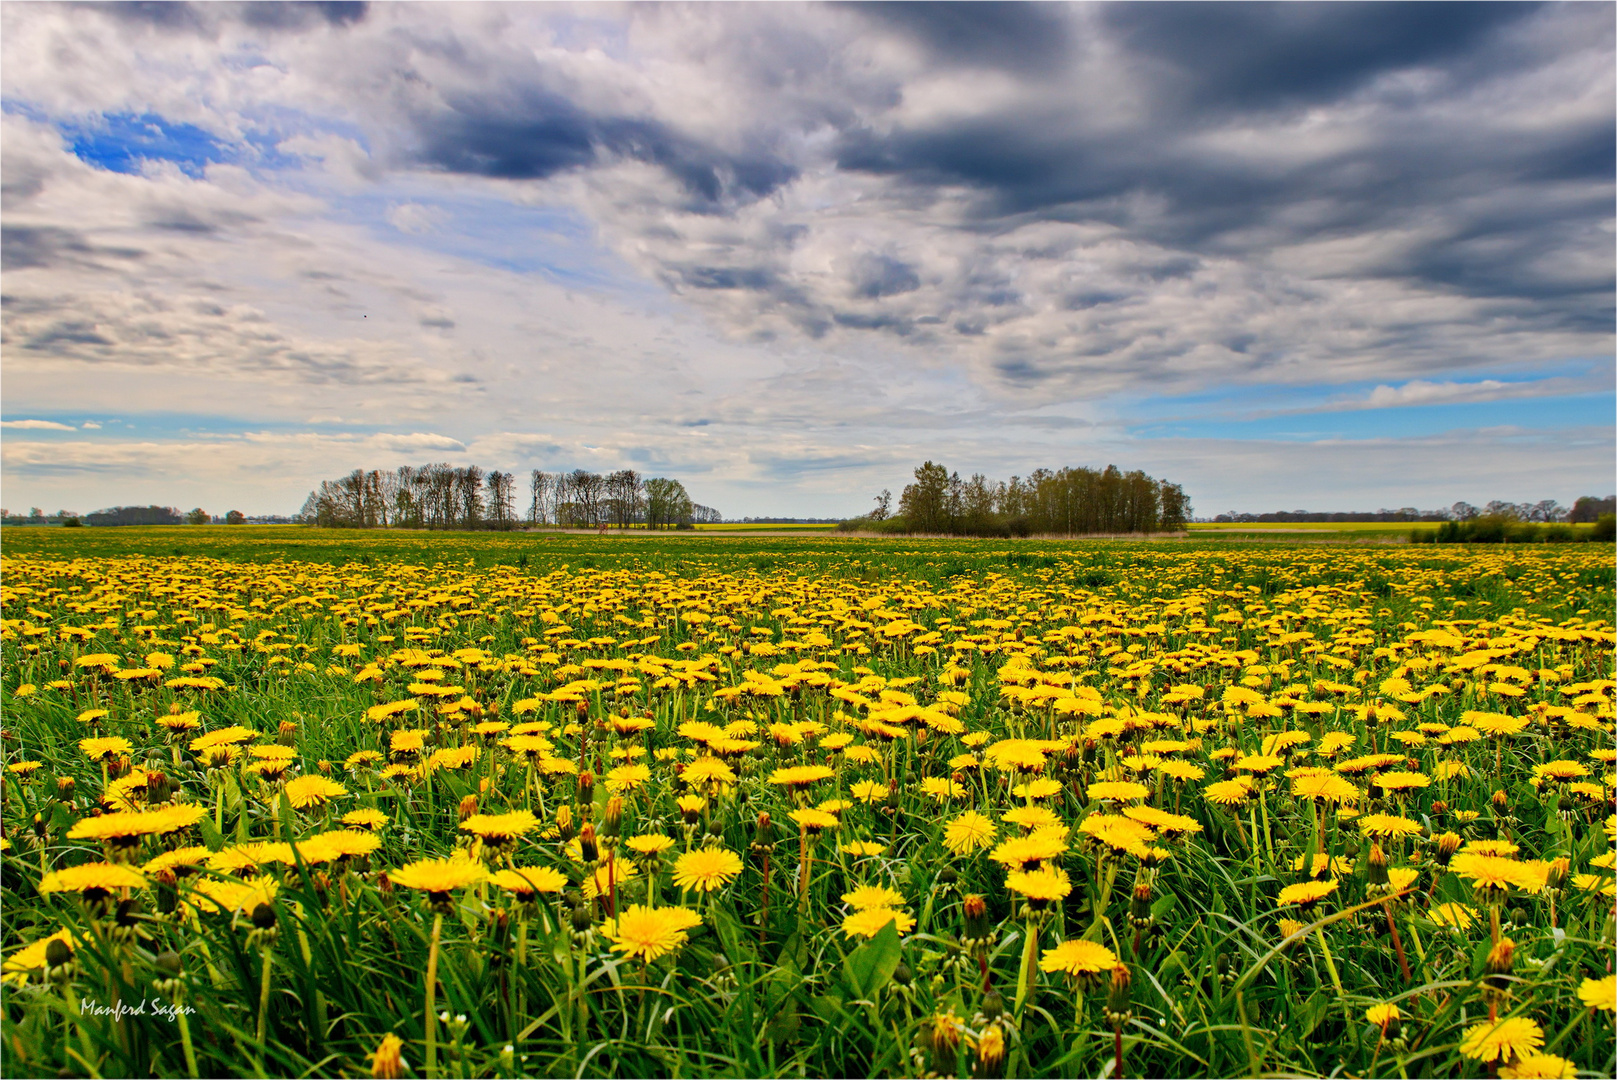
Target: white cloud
40	425
800	247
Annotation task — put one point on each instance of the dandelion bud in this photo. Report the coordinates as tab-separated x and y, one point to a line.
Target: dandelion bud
564	823
1378	867
157	787
1439	808
324	766
763	832
944	1037
1501	802
287	733
168	896
948	876
976	912
384	885
1288	927
64	787
1119	994
613	822
587	849
990	1052
902	975
1447	844
168	962
468	807
39	825
586	787
387	1062
1501	958
1556	876
263	916
58	953
1140	905
581	918
117	767
993	1006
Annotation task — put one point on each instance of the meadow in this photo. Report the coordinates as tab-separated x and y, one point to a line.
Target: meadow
288	802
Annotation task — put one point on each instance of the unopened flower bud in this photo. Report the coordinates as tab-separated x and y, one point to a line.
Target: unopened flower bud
587	848
581	918
586	787
64	787
564	823
263	916
976	912
990	1061
1556	876
993	1006
612	824
58	953
1447	844
1119	994
157	787
1501	802
287	733
763	831
1378	867
1140	904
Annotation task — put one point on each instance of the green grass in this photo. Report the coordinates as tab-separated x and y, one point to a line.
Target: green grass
769	985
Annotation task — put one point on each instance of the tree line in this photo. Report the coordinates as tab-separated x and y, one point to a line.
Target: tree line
1546	511
1070	501
443	496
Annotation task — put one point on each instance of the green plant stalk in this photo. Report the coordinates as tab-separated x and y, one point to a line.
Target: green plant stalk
1336	978
432	994
185	1038
1030	955
263	995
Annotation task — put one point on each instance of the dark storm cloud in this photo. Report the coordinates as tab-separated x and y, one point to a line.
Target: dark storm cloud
532	133
1433	158
25	247
1018	37
1269	55
259	14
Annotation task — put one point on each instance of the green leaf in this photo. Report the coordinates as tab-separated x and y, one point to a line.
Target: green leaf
870	967
211	836
1163	905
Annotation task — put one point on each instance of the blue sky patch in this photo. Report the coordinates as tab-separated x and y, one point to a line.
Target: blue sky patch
120	142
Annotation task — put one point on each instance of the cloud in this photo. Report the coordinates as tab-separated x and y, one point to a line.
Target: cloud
40	425
797	244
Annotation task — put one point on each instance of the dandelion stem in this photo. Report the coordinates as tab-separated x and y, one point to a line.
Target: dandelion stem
263	996
1397	942
1336	978
432	994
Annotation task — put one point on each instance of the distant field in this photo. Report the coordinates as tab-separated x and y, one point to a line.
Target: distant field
1354	530
764	526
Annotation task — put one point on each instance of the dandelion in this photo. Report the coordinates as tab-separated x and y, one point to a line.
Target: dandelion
439	877
1502	1040
1539	1067
1600	994
648	932
312	791
967	833
873	896
1080	959
1305	894
868	922
706	869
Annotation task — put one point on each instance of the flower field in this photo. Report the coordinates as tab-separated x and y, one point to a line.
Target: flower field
868	808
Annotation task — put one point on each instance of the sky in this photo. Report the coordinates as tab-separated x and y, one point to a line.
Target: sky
1300	256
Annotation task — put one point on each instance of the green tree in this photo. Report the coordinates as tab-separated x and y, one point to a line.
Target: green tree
198	516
